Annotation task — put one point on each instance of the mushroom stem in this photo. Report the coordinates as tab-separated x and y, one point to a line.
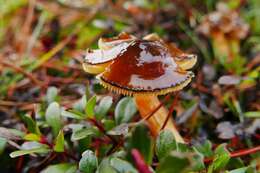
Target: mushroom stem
145	105
220	43
229	48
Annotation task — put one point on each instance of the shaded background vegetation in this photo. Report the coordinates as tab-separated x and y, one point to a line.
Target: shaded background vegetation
42	43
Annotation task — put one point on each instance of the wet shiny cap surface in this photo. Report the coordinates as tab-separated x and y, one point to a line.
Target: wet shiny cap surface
100	56
144	67
109	48
140	66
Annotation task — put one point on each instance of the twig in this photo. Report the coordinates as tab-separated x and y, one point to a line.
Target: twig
21	70
25	30
12	143
13	103
239	153
43	163
79	8
58	65
29	18
199	84
170	110
36	32
245	152
253	63
52	52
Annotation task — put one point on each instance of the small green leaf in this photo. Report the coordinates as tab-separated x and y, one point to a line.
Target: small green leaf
252	114
122	165
198	160
103	107
142	141
205	149
165	143
61	168
82	133
175	162
108	124
70	114
235	163
59	142
122	129
239	170
53	117
90	106
81	104
105	167
239	112
181	147
3	143
39	150
125	110
32	137
31	124
221	157
31	145
51	95
88	162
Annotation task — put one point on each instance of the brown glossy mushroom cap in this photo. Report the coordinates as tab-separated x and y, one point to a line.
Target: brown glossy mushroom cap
109	48
144	67
108	43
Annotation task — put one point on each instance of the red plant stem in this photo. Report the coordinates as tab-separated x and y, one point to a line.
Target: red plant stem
44	140
46	161
115	147
245	152
257	136
238	153
70	156
139	162
101	128
19	164
157	108
97	124
170	111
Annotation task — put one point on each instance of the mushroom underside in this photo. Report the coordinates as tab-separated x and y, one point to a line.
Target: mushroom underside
120	89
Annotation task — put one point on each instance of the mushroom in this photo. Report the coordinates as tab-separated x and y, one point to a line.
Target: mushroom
226	29
142	68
